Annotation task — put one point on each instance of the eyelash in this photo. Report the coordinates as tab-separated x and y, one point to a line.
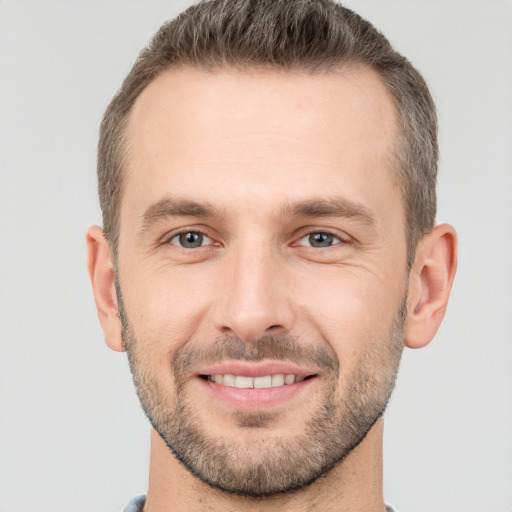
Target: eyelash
169	239
338	240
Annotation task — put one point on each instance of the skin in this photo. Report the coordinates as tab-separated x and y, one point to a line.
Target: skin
250	146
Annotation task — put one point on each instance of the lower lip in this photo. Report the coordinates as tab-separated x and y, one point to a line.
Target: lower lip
255	398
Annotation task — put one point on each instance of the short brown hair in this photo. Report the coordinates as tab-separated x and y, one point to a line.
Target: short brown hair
300	35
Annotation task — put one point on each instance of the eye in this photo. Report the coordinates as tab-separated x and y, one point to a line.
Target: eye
319	239
190	240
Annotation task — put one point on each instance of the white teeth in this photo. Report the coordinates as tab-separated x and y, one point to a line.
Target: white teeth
228	380
266	381
289	379
263	382
277	380
244	382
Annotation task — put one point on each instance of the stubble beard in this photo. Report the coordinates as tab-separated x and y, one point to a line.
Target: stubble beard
265	465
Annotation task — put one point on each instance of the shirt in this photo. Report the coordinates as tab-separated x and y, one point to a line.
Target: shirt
138	502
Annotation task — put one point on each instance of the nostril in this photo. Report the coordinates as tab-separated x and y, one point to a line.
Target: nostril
273	327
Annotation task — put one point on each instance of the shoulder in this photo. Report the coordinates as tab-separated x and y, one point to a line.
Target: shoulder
135	504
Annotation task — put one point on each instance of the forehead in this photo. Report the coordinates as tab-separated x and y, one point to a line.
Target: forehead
281	134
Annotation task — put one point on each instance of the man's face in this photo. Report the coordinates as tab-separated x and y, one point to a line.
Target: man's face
262	266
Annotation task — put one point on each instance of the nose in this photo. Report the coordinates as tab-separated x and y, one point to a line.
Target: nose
254	298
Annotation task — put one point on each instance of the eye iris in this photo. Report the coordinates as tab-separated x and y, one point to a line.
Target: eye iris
321	239
191	240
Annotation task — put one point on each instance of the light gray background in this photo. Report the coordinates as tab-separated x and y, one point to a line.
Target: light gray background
72	436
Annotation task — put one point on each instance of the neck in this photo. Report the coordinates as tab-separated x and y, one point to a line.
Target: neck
354	485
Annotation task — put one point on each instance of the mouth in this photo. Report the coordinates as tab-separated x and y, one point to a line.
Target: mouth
260	382
248	385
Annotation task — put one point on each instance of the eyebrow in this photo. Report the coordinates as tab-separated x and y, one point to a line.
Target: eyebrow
333	207
170	207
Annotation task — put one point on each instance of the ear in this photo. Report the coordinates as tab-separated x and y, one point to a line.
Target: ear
101	273
430	282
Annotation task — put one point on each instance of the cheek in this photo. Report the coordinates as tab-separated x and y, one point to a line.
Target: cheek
350	308
163	314
165	308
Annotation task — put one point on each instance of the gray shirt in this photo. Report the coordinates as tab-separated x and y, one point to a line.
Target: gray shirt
138	502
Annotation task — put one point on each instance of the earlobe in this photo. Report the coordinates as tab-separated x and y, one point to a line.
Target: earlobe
101	273
430	284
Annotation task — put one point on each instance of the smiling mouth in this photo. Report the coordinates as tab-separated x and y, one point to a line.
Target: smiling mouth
265	381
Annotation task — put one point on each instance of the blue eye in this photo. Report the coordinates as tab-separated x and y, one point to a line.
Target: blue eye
319	239
190	240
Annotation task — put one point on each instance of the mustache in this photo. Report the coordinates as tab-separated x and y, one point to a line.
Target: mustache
275	347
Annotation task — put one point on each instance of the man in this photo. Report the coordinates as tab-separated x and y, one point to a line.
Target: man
267	179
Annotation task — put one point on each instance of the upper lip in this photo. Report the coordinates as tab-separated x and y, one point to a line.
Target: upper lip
256	369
